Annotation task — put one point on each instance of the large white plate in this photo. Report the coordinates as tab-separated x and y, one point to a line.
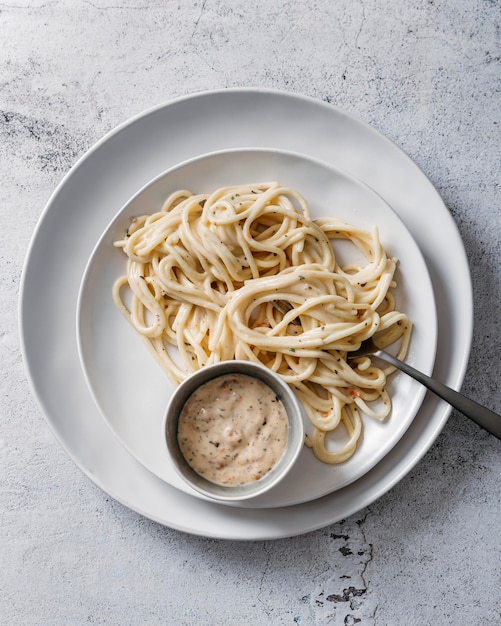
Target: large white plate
108	175
131	390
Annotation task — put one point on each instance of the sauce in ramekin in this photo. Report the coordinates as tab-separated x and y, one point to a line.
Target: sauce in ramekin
233	429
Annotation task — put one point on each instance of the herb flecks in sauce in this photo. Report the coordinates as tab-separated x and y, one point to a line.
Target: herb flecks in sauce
233	429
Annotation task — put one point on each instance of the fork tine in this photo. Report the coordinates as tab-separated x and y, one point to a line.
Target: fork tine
285	307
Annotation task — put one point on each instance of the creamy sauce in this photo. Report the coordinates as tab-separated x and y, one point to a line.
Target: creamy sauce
233	429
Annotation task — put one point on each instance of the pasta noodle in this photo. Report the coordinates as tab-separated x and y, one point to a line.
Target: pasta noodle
210	274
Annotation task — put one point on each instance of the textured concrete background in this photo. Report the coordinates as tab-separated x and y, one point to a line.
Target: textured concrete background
425	73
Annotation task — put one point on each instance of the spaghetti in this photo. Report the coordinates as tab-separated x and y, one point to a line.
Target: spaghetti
205	275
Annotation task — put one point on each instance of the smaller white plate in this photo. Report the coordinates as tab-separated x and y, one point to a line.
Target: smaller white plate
132	391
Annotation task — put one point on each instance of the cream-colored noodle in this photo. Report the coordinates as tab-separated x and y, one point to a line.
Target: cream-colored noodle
204	275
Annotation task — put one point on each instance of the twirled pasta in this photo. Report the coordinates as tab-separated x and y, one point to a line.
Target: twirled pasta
206	273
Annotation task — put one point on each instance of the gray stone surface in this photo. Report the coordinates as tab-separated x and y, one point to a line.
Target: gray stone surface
427	74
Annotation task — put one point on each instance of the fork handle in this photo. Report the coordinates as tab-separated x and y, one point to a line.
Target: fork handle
480	414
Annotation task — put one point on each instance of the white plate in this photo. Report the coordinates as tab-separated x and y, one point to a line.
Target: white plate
132	391
108	175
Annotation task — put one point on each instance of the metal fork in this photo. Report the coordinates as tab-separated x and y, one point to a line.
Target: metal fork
479	414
